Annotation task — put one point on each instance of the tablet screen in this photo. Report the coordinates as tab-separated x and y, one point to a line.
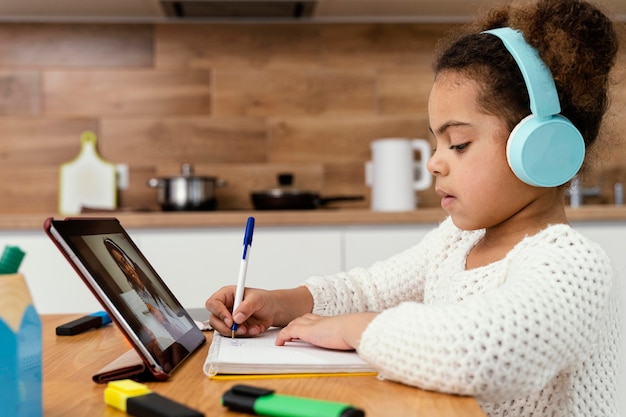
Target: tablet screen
130	289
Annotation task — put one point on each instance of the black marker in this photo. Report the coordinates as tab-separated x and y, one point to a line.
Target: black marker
138	400
92	321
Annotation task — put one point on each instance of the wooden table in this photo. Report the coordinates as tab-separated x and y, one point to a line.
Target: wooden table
70	361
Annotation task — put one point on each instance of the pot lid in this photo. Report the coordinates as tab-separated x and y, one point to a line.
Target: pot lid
187	171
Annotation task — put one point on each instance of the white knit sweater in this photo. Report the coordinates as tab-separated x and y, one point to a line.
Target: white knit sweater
535	334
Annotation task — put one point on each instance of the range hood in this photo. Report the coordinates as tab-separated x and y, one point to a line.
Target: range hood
155	11
320	10
213	9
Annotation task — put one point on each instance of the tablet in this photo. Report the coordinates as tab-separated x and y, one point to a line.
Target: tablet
130	290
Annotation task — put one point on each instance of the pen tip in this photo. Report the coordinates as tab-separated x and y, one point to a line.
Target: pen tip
232	334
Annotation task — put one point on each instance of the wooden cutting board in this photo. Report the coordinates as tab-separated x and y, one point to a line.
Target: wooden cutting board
88	180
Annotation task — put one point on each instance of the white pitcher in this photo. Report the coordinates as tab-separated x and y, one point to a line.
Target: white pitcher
394	175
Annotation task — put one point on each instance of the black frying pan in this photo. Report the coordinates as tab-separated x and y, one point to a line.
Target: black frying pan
287	198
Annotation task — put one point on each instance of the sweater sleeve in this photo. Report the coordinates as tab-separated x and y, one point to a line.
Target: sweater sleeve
508	341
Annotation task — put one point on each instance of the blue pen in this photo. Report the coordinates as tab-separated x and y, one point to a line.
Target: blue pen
243	269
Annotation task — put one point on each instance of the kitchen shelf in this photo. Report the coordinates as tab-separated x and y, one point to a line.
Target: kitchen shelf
320	217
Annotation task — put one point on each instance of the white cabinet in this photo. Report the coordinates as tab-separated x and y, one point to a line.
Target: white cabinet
192	262
195	263
365	245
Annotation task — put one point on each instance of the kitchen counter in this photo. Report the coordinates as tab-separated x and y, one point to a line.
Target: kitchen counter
321	217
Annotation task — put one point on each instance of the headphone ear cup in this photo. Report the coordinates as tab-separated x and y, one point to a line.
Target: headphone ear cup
545	152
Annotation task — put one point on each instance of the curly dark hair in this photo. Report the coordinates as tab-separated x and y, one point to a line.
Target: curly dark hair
574	38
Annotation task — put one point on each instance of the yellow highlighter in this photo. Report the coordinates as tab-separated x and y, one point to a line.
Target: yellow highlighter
138	400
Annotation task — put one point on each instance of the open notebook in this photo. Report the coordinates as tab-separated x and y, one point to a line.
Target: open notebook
258	356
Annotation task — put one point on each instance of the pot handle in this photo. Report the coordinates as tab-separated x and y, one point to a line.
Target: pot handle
330	199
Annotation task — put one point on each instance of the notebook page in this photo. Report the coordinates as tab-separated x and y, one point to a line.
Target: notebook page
259	355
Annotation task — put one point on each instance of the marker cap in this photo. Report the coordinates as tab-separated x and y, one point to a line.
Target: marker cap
11	260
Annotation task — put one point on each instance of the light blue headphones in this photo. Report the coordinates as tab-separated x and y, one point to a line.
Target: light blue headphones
545	149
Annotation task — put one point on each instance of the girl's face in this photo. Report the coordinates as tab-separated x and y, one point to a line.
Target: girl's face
477	187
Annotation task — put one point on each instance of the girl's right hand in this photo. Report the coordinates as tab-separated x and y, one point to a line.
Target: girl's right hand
252	316
259	310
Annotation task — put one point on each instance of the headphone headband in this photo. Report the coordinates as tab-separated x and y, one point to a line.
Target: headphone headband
544	99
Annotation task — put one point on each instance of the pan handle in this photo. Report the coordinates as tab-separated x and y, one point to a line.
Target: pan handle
330	199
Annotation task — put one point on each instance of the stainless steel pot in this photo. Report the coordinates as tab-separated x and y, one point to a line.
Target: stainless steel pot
186	191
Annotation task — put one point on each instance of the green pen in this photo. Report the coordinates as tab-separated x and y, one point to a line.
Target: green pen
261	401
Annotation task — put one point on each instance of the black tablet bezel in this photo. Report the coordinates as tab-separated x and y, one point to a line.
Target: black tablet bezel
70	237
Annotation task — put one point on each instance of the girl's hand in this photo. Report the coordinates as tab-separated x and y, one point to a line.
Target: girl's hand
259	310
336	332
252	316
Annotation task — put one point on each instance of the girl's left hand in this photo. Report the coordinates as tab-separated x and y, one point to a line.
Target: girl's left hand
334	332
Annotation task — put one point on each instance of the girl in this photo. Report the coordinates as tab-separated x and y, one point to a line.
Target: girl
503	301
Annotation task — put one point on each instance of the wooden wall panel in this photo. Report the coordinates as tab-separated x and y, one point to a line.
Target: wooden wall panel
378	46
347	178
42	141
610	152
242	102
19	93
75	45
143	92
138	196
28	188
31	152
337	139
186	139
294	92
246	46
404	90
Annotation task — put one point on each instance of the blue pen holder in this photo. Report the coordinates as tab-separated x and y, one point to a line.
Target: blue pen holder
20	350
